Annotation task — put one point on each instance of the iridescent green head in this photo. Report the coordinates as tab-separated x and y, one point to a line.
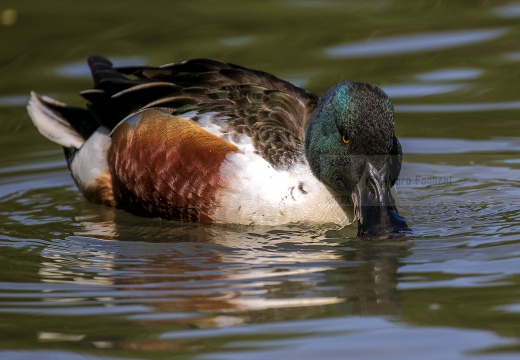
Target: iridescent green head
351	147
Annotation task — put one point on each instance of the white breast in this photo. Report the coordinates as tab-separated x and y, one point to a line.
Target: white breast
256	193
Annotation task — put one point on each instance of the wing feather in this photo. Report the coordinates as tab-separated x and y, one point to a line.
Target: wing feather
273	112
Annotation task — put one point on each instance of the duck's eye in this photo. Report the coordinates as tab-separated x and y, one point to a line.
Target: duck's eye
345	139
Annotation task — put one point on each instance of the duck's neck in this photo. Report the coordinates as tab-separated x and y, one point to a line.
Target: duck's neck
321	143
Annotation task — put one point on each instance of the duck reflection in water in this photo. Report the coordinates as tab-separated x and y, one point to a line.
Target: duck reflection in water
212	277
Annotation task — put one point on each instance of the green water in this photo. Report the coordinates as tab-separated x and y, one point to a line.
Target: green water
79	281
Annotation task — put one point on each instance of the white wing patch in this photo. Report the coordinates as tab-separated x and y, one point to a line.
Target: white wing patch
214	123
211	121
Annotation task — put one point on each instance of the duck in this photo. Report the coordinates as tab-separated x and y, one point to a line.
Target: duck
208	141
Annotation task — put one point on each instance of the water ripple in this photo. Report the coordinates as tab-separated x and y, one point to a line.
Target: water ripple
458	108
508	11
459	146
450	74
409	44
420	90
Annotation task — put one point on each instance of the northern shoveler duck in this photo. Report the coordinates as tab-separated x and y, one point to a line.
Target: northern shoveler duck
209	141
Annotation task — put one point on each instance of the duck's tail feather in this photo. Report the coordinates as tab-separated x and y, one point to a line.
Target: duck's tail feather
65	125
51	124
107	81
84	141
103	70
